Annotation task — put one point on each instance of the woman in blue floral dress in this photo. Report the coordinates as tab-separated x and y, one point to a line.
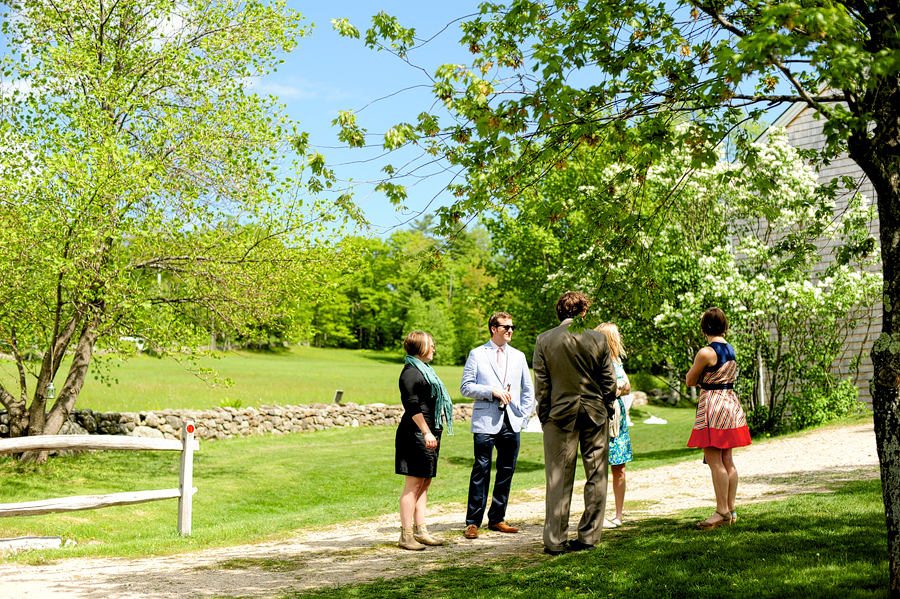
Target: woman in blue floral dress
620	445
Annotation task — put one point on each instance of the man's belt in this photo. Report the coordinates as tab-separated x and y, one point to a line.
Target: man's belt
716	386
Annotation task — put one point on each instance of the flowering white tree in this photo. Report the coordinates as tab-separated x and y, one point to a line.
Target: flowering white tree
655	248
789	316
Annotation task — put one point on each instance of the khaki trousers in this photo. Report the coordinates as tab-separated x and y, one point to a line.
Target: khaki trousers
560	453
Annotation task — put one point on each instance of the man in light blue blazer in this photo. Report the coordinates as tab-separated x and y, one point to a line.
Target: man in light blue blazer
496	376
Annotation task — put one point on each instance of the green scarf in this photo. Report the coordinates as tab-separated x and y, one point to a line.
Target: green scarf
442	405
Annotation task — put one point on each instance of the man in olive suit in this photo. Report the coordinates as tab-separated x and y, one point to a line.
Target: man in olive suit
575	389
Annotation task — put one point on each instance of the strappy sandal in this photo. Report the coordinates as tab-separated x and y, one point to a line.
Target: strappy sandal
725	521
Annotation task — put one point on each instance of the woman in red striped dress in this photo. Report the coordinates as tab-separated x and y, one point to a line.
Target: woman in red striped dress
720	424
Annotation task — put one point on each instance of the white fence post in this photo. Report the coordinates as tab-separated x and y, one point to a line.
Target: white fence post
187	446
186	479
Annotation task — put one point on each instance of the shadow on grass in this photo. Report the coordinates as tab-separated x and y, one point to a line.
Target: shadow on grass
816	546
384	358
262	350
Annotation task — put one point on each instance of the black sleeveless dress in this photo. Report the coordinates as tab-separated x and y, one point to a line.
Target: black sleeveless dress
411	457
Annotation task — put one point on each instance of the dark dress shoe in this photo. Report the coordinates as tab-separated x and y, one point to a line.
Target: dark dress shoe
471	531
576	545
549	551
503	527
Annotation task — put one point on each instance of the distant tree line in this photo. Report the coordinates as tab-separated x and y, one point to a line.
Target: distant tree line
409	280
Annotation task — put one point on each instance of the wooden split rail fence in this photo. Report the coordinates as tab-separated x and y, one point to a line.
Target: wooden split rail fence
185	491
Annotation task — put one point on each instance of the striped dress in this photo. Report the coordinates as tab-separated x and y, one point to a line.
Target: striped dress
720	420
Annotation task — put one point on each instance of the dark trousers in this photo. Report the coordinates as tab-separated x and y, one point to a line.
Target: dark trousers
560	457
507	443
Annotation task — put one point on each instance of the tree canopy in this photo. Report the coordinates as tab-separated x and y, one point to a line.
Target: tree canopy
399	285
547	78
146	192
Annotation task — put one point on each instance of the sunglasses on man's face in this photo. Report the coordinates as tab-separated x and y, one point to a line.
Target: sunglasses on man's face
508	327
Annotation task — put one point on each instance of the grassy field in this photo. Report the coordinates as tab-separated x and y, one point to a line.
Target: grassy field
827	546
264	488
299	375
257	488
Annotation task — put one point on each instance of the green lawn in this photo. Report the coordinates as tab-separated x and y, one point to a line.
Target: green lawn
299	375
263	488
824	546
255	488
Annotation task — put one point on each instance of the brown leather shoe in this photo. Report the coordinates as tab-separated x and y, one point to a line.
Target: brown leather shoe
471	531
503	527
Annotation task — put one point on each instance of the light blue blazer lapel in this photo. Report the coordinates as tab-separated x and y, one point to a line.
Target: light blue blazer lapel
512	366
492	360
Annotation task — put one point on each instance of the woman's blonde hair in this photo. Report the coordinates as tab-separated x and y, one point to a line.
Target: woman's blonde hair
613	339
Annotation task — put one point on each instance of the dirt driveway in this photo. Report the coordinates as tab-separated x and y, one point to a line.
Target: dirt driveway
357	552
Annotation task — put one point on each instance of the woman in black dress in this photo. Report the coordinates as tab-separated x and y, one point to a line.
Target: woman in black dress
418	441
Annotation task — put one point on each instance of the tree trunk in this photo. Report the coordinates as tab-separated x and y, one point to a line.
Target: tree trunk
18	415
886	382
878	154
36	413
886	406
70	391
68	395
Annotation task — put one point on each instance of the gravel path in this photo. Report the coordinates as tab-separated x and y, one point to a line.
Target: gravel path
363	551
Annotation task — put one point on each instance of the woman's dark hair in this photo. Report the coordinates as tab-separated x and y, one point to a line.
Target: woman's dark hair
713	322
571	303
416	343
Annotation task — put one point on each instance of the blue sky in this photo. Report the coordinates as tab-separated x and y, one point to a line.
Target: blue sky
328	73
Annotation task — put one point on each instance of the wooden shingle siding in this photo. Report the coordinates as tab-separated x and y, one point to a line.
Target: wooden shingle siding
805	132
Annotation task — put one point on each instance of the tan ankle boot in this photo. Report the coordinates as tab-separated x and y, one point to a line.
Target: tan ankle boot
422	536
408	541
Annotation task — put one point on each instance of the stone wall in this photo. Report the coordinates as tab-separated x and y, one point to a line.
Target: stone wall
227	423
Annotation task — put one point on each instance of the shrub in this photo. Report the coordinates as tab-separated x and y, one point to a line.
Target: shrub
766	419
646	382
811	407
